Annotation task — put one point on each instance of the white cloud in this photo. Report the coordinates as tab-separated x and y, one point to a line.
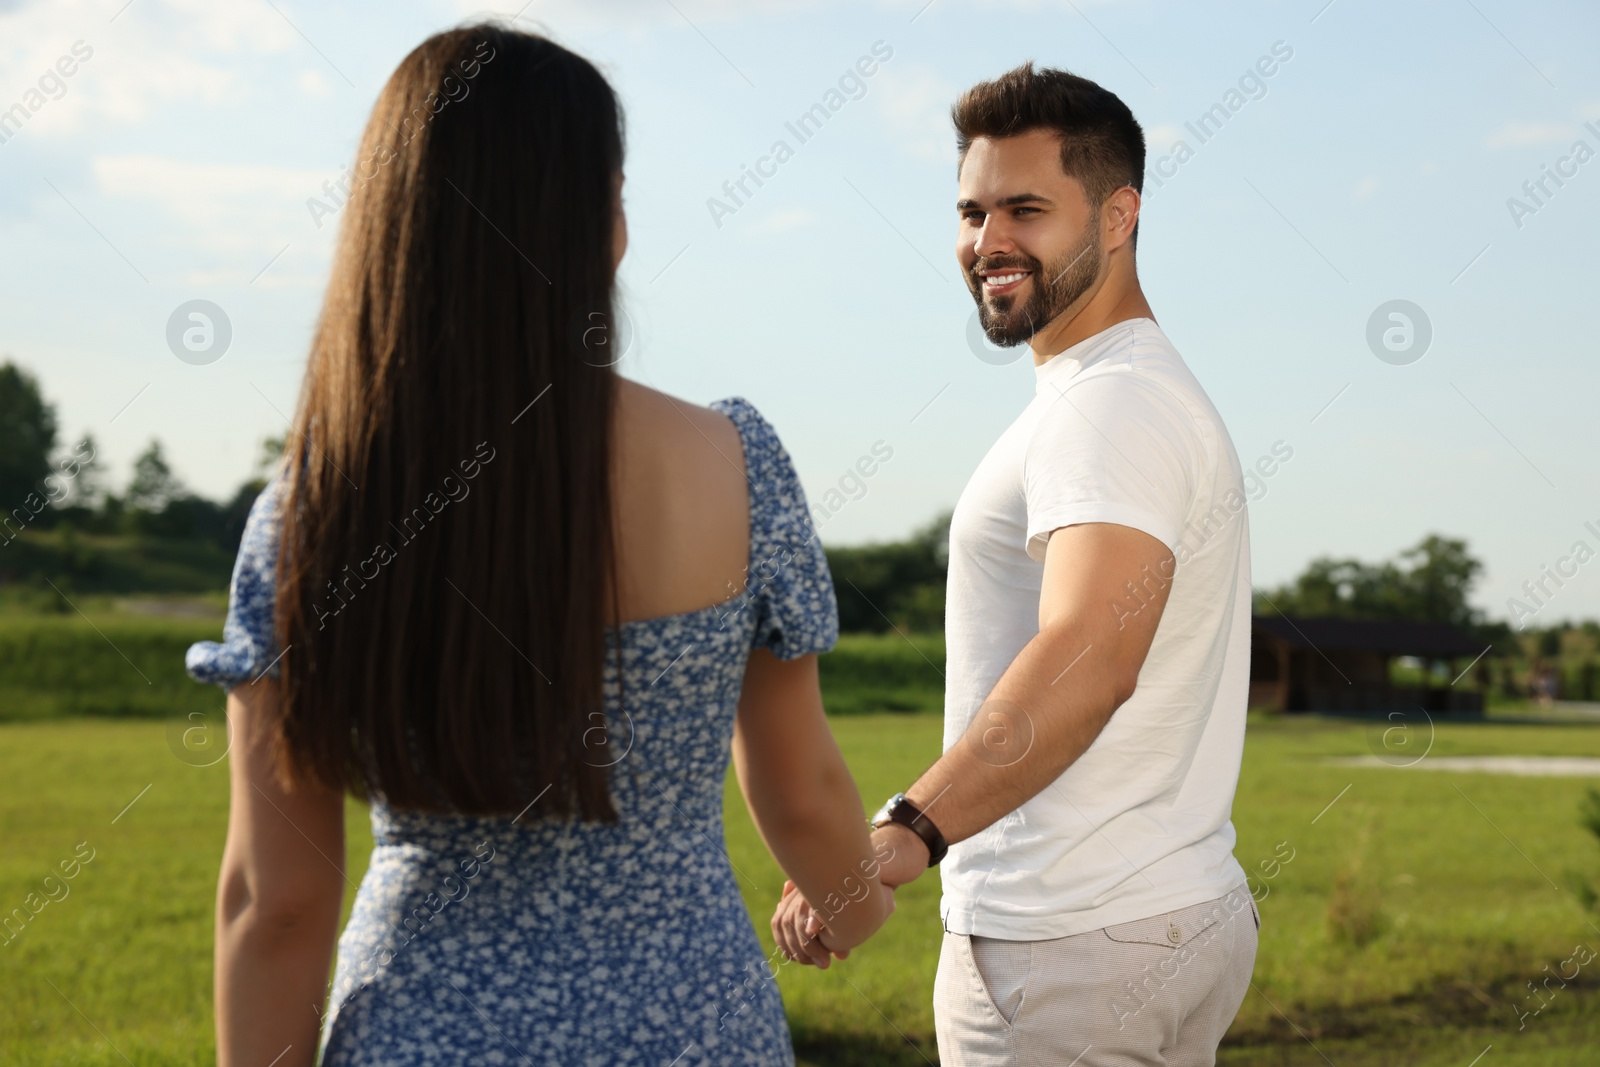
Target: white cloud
312	83
635	14
248	209
1522	134
274	277
1365	188
199	190
151	52
915	101
610	12
252	26
1160	138
781	222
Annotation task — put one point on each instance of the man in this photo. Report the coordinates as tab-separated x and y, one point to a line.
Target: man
1098	635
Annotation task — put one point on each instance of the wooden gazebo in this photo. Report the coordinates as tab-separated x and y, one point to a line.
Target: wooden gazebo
1325	664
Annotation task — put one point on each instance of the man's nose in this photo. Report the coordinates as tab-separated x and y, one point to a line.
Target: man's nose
993	240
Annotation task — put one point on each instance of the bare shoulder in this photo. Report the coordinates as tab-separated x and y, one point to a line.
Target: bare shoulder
669	425
682	505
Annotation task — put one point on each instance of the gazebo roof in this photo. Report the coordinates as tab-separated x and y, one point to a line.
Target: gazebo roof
1369	635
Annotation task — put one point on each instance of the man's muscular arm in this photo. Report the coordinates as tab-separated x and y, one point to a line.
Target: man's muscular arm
1056	696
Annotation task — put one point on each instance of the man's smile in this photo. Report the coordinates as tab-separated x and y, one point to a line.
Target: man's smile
1000	282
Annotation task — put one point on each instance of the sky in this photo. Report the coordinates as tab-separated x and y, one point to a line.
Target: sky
1357	155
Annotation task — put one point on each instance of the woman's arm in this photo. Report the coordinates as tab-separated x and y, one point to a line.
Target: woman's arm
278	899
805	803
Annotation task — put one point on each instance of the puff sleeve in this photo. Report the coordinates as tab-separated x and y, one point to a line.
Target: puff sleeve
789	582
248	647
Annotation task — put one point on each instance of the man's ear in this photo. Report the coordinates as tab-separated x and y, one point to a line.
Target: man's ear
1119	215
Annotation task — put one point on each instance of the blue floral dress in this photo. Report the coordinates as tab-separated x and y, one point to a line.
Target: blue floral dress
501	941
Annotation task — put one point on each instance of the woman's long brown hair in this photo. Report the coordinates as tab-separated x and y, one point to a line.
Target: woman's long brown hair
447	542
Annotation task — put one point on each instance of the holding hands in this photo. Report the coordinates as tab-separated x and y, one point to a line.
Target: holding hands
841	920
805	804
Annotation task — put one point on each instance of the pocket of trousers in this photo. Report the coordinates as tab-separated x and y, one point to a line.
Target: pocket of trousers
1170	930
1002	974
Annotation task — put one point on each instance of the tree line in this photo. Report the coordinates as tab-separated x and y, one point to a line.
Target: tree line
879	587
36	467
901	585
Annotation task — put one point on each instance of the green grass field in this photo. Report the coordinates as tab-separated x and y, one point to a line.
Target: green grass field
1404	930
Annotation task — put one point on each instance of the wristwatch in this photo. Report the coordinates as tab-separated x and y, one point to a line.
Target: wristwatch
898	809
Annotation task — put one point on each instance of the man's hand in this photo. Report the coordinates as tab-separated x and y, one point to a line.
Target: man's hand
902	855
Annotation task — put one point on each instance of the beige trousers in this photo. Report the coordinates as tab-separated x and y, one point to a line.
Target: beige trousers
1159	991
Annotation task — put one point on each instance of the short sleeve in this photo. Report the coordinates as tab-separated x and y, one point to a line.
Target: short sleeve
1112	447
789	581
248	648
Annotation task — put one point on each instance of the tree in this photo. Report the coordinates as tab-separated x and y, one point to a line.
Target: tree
27	435
1430	583
237	510
271	452
88	486
154	486
1440	576
900	584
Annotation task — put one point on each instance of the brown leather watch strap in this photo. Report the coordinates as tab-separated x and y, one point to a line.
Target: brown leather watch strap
897	809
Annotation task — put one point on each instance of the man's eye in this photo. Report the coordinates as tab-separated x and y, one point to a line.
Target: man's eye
1022	210
973	216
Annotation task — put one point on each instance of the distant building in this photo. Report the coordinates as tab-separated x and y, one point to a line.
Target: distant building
1323	664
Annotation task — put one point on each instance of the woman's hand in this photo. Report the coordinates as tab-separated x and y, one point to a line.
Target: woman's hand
789	921
801	933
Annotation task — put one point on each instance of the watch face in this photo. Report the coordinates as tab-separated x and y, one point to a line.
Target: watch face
887	810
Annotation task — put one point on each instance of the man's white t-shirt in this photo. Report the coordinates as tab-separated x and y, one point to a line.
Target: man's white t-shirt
1119	431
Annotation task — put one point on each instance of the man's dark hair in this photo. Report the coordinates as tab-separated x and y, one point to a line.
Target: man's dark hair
1102	145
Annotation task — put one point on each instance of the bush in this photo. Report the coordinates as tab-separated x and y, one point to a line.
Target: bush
95	563
1589	819
61	665
901	584
883	672
1355	916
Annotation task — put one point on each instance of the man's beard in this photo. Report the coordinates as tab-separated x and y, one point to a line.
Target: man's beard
1055	288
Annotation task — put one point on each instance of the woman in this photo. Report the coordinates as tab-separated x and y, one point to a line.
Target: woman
489	591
